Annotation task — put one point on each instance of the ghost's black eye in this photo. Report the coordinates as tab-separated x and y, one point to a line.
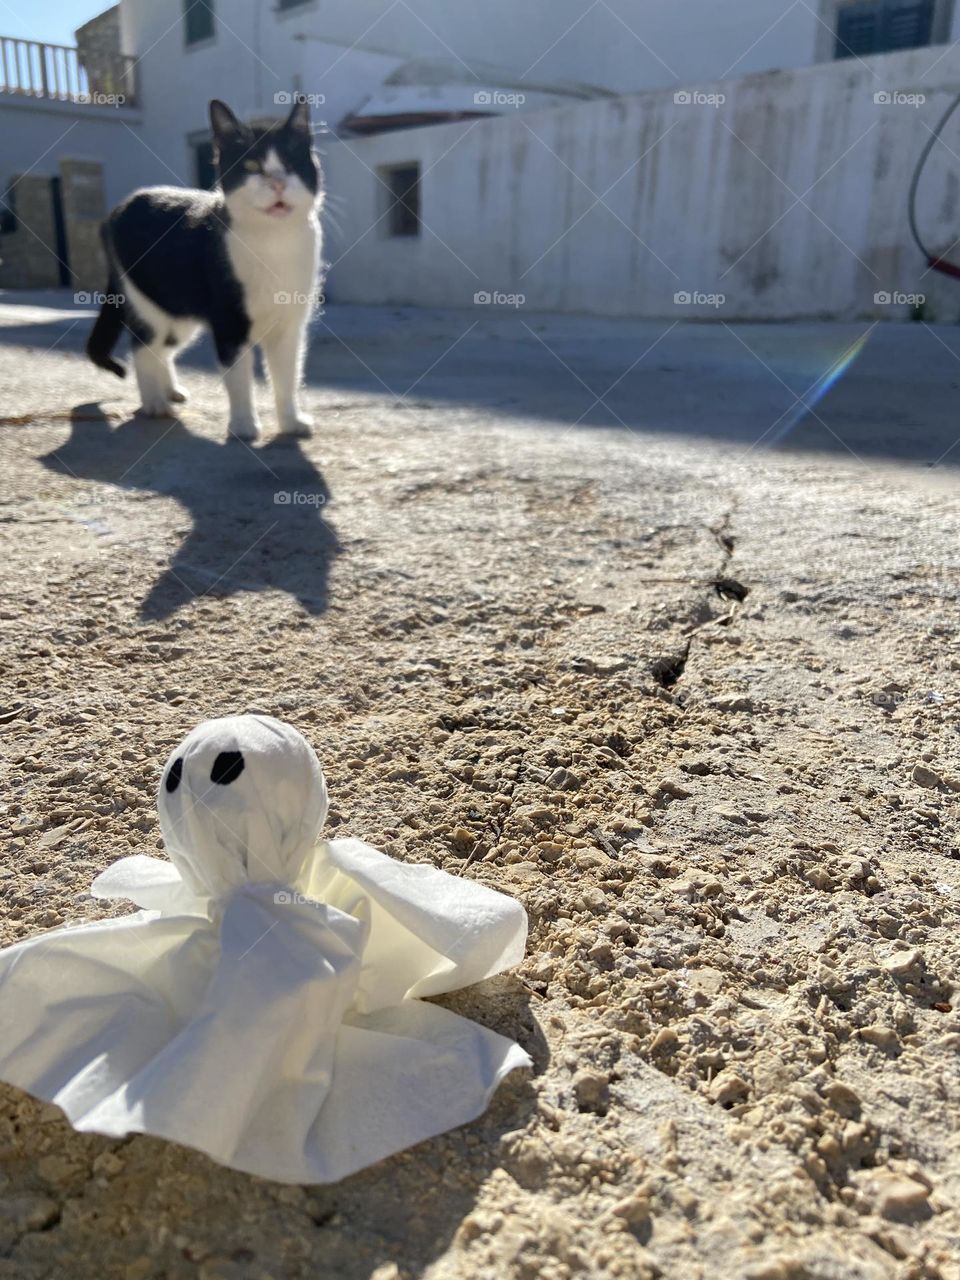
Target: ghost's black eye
227	767
175	774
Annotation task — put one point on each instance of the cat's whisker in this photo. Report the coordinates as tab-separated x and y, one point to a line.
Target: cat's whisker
327	217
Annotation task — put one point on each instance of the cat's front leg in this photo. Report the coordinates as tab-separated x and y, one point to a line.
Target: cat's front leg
238	379
283	347
154	380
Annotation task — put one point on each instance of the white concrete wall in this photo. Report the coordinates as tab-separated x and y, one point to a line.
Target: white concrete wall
690	200
351	45
350	48
36	135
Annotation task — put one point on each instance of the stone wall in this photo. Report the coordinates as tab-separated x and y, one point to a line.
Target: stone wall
84	208
99	52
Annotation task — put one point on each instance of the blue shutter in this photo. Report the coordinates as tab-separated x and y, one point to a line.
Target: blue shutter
908	25
879	26
858	29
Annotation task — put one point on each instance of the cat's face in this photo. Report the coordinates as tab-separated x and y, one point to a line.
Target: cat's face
266	172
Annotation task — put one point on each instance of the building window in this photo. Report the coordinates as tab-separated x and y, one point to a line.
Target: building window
8	210
198	19
881	26
402	184
204	170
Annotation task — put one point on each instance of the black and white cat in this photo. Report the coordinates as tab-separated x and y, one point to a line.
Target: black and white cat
242	259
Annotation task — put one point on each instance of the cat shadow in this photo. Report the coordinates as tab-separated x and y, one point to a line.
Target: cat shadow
257	513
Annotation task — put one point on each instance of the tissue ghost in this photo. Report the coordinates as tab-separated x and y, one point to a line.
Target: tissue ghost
264	1005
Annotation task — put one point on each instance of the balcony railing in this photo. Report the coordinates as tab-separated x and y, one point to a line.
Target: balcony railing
29	69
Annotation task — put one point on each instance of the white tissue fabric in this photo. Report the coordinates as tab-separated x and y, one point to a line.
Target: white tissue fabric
262	1006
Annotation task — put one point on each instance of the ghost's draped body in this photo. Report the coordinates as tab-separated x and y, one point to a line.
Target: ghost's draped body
265	1004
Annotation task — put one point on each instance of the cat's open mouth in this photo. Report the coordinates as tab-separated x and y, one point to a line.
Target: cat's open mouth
279	209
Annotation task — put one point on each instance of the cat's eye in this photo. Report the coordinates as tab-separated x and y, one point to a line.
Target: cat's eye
253	166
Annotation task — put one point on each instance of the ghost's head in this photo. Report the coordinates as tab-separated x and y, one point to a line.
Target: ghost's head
241	799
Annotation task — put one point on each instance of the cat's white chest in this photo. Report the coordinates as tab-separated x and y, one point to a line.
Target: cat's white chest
277	270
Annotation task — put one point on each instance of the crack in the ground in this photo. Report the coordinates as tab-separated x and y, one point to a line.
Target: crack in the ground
669	669
722	532
496	826
49	1222
731	589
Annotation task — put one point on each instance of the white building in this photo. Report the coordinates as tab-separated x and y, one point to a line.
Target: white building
583	88
248	51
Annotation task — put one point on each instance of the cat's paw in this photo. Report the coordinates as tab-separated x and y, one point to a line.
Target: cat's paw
178	395
299	427
244	429
155	408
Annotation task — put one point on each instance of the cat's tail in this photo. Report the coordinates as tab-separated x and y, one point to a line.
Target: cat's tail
109	323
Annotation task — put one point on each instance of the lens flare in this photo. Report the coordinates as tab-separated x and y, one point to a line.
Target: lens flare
811	398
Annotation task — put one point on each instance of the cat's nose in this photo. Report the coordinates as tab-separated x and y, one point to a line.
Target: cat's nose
278	183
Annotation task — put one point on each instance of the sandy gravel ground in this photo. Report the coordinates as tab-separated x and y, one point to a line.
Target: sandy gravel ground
696	706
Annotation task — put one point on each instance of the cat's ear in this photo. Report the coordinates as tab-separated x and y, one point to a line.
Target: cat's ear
225	125
298	121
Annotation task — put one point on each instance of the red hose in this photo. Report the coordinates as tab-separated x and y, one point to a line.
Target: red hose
943	264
